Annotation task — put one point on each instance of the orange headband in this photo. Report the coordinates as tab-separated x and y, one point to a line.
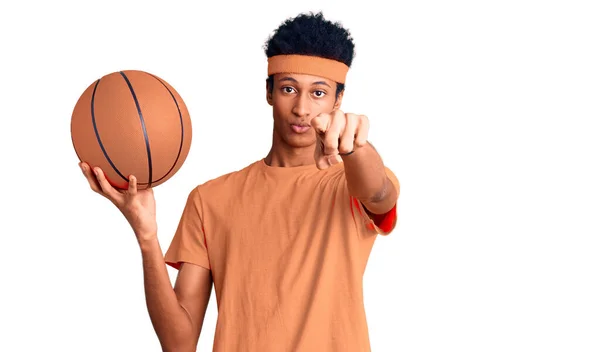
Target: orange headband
311	65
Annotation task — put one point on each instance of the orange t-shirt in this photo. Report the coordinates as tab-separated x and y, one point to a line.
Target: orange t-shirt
287	248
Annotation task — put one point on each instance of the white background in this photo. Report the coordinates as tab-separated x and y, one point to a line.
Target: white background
487	112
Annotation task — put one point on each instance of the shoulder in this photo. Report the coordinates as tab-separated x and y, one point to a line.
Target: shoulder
227	182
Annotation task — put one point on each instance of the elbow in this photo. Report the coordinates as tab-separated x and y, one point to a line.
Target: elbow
179	341
383	200
181	336
180	349
381	194
179	346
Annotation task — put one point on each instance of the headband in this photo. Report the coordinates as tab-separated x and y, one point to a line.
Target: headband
307	64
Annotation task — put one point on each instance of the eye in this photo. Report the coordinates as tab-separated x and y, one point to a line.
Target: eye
288	89
319	93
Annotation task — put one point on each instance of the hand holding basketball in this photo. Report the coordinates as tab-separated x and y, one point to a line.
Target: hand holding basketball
138	206
131	123
338	133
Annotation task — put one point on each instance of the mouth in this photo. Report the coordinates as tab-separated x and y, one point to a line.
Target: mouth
300	128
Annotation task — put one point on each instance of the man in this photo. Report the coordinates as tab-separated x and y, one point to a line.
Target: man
286	239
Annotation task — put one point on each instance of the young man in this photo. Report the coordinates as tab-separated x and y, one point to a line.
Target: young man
286	239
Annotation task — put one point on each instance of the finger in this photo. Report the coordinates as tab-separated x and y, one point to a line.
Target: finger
321	123
132	189
362	132
318	150
334	159
323	162
92	181
348	135
332	136
107	188
327	161
320	159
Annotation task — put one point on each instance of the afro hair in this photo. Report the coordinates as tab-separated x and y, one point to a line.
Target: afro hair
311	34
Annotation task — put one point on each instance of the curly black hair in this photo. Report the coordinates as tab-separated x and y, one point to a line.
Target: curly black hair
311	34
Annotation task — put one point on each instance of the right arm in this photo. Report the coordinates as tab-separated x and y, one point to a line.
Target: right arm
177	314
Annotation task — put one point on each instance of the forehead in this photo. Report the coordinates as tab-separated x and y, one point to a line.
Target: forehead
302	79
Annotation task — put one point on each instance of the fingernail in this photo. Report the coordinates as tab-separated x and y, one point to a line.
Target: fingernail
334	159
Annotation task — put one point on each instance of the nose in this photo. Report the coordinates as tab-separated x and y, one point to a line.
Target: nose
301	106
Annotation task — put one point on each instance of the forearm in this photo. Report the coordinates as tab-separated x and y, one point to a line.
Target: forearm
367	180
171	322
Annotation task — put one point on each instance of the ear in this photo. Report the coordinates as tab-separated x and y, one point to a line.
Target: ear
269	94
338	102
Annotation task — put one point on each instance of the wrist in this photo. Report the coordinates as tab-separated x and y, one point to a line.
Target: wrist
147	241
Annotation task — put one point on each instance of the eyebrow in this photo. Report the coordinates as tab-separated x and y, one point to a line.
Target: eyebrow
295	81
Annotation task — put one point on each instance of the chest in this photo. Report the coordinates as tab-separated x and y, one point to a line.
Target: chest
263	225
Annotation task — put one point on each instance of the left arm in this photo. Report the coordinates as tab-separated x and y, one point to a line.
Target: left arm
340	133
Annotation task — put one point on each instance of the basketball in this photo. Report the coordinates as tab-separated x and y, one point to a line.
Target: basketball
132	123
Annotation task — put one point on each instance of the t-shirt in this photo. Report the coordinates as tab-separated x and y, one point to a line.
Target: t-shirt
287	248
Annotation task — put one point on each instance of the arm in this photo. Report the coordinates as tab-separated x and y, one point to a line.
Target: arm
368	181
177	314
343	137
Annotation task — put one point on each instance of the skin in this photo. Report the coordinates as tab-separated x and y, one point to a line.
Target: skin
177	313
310	100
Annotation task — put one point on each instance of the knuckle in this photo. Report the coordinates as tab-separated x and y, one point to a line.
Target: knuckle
345	150
346	146
360	143
330	144
365	122
330	150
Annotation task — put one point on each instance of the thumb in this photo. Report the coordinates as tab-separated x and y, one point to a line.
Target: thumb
323	160
320	123
319	149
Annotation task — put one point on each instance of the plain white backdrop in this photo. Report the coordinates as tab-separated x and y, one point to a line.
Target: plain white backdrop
488	112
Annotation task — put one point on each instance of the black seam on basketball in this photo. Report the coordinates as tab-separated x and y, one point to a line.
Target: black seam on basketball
181	124
98	134
137	104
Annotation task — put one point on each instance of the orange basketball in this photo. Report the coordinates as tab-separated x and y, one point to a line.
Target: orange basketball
132	123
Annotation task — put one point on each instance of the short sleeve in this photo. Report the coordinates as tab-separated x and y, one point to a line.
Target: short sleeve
382	224
189	242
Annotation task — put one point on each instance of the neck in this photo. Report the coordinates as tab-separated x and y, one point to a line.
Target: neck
284	155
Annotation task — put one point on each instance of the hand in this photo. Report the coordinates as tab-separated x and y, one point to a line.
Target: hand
138	207
338	133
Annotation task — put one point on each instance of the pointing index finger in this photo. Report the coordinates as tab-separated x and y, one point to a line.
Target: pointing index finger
321	123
